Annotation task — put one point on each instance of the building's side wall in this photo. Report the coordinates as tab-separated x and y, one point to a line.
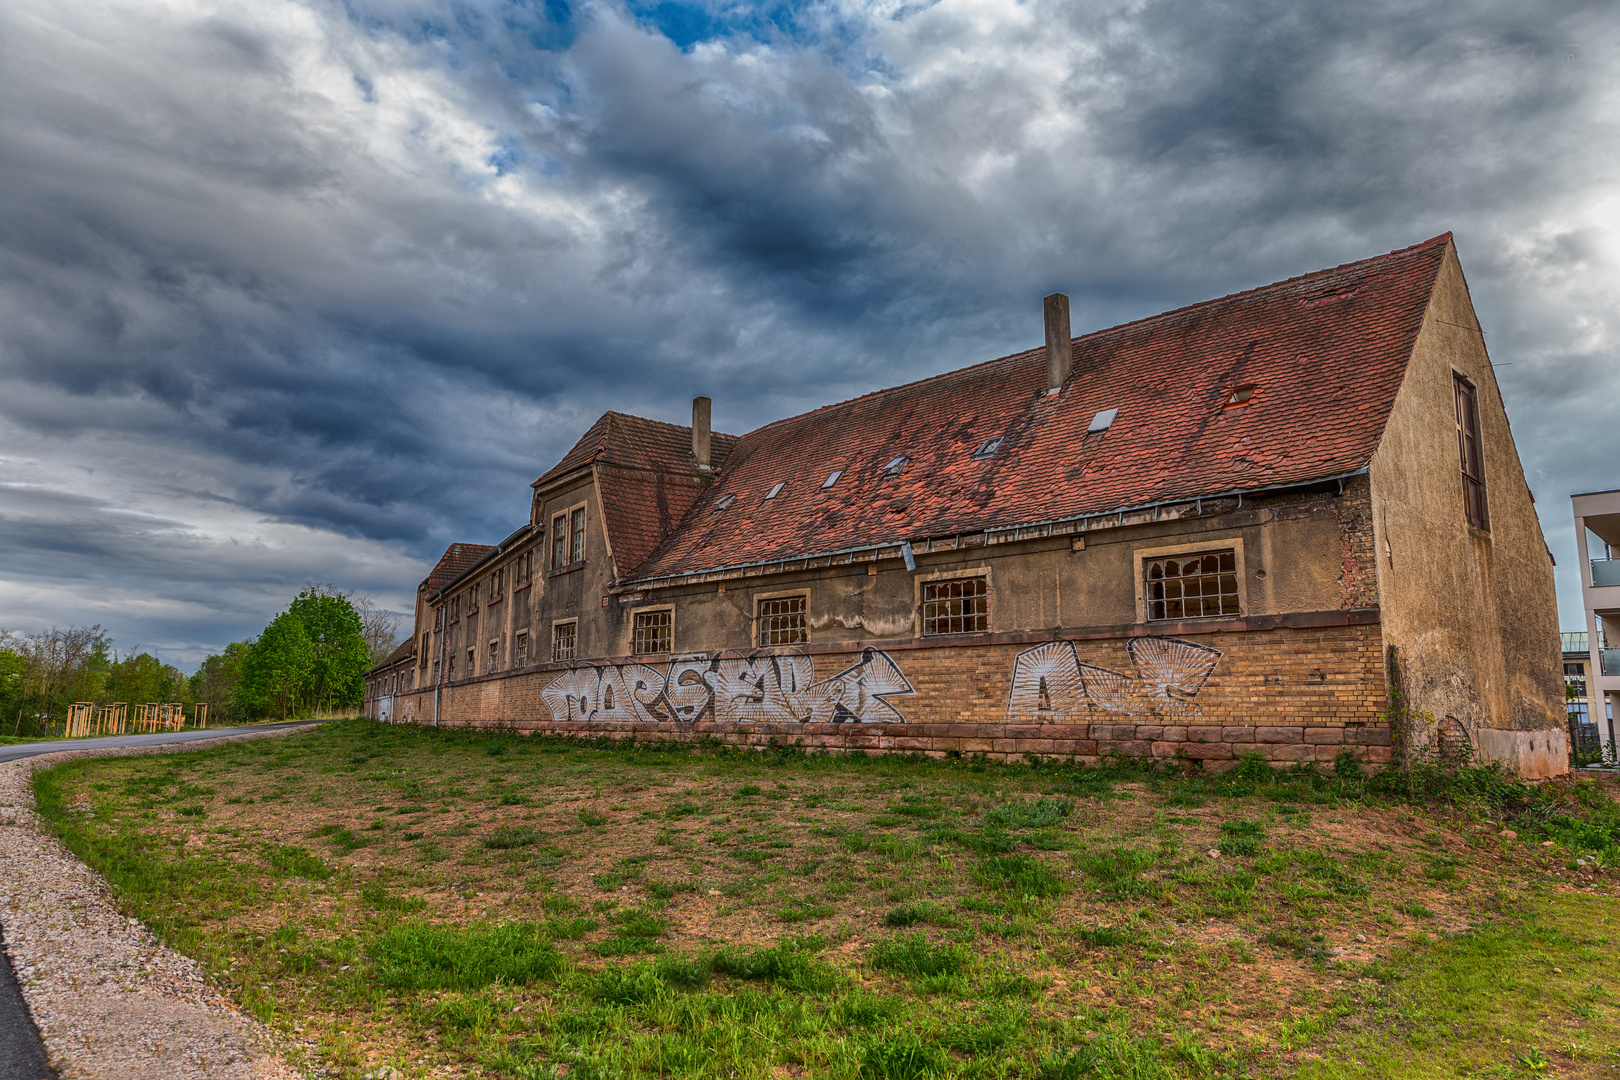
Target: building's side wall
1291	694
1470	613
1069	667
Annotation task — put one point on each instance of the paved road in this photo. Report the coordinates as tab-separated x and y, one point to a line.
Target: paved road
155	738
22	1053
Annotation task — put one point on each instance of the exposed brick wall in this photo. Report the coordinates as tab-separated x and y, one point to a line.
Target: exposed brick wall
1290	694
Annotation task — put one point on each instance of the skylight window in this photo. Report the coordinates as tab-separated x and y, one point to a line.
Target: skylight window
722	502
1103	420
896	466
776	490
832	478
988	447
1239	396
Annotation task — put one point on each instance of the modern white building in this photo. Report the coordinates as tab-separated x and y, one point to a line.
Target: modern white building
1597	539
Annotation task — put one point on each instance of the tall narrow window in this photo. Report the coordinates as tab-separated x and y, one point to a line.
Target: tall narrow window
563	636
494	656
959	606
576	536
1473	472
559	541
520	644
1201	586
782	621
654	632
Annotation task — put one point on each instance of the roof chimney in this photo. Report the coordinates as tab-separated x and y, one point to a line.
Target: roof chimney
700	431
1059	358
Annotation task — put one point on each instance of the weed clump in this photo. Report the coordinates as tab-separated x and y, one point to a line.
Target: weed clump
913	955
420	956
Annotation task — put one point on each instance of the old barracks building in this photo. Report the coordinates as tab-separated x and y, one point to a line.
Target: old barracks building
1222	529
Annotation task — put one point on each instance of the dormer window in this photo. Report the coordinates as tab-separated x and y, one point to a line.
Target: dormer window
988	447
832	478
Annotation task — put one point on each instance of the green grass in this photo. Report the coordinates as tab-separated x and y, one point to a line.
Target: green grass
600	910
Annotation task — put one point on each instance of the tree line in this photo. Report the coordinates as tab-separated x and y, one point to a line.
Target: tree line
312	658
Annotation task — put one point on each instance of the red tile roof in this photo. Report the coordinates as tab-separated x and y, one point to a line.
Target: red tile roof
1325	354
638	443
647	477
457	559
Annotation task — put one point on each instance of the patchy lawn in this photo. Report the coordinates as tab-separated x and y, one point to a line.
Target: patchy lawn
460	904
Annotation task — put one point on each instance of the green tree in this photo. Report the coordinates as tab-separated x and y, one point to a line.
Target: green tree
12	704
276	671
342	654
217	679
143	678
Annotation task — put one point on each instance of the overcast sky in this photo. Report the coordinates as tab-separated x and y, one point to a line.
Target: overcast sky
302	292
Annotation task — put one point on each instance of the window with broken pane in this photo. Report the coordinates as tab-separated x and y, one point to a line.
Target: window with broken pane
956	606
1200	586
563	636
782	621
654	632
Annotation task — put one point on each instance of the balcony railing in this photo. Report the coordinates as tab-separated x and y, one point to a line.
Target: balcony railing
1574	641
1605	572
1609	659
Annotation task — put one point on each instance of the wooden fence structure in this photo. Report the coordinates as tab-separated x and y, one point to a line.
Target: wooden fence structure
86	718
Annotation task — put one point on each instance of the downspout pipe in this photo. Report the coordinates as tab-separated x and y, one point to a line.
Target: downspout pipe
438	675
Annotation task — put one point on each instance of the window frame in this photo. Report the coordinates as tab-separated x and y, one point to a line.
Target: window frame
570	538
1140	557
636	614
919	591
1476	501
756	630
573	640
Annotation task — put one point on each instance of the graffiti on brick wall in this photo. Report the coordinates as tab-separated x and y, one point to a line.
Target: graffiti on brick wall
761	687
1050	682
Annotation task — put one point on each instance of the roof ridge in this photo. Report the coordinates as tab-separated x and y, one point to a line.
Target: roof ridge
1444	237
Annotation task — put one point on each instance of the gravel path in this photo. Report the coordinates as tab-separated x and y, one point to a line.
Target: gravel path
111	1002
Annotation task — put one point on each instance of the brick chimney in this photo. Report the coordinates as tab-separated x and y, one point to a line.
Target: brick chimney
1059	357
700	431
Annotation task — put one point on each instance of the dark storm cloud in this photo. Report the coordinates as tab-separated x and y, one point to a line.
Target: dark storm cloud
294	291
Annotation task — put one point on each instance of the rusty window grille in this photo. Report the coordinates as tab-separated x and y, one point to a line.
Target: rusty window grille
563	636
654	632
782	621
1201	586
1473	473
576	536
957	606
